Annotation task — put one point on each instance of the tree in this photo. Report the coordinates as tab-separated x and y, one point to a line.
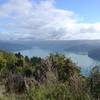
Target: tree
64	67
35	60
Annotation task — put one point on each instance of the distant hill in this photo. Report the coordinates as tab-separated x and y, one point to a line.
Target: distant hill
92	47
9	46
95	53
67	45
84	46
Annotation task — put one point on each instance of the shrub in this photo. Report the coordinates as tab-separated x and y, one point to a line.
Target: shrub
15	83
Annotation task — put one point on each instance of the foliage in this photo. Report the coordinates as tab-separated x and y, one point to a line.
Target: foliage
95	79
64	66
59	91
52	78
15	83
35	60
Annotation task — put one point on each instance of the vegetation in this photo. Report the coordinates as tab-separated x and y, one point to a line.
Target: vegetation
52	78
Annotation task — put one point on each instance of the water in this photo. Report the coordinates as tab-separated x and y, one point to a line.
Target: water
82	60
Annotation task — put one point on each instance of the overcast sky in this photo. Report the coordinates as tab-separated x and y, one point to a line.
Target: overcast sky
49	19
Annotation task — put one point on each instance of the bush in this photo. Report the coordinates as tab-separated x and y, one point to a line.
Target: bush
15	83
55	92
25	71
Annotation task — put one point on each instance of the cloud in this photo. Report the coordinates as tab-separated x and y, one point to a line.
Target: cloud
42	20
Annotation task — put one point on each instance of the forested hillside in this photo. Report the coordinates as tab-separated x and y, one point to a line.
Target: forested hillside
52	78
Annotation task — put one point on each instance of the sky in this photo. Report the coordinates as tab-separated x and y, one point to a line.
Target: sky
88	9
49	19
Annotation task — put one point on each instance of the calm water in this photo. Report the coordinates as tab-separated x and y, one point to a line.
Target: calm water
85	62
